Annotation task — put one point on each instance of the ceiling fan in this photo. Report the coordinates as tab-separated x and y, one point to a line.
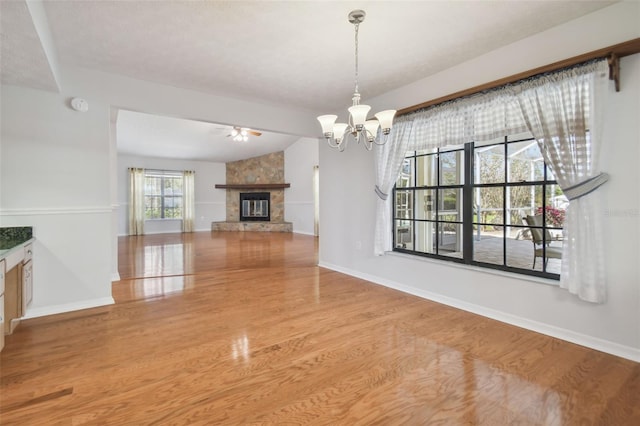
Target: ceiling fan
241	134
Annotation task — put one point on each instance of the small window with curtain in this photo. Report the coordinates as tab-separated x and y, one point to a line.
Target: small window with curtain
163	194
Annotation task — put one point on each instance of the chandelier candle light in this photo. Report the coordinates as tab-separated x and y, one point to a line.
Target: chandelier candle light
358	127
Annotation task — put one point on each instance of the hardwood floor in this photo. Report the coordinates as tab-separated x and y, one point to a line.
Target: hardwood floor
243	328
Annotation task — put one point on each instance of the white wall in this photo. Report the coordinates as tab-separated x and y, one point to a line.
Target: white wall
210	202
299	161
54	176
347	211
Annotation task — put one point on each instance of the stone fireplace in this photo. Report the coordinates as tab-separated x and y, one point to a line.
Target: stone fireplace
255	186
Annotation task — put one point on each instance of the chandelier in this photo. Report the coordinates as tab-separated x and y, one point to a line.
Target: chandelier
358	127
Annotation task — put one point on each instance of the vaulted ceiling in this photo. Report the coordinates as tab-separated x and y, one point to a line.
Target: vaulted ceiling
299	54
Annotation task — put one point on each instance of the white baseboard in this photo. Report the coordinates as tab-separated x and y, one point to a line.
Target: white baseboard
68	307
115	277
602	345
304	233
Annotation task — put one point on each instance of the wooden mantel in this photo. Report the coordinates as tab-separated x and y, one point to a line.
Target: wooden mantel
254	186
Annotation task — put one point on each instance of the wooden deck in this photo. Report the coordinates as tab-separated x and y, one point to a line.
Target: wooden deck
244	328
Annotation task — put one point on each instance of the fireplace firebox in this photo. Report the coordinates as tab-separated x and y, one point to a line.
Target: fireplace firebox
255	206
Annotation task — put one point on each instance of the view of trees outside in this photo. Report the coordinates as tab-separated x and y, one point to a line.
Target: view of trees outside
163	196
524	164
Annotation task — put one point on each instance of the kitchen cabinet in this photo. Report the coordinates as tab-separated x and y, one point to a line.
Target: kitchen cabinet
16	291
18	286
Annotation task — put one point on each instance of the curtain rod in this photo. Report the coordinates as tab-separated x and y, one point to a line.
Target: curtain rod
161	170
613	53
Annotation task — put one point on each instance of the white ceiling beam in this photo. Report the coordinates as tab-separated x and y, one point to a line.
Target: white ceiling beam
41	25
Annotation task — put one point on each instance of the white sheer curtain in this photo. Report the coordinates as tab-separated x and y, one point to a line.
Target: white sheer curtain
188	200
136	201
481	117
561	114
388	161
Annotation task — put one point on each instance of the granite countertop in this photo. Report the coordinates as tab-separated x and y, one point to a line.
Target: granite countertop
13	237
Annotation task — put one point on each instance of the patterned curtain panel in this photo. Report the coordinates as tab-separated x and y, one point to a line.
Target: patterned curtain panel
136	201
188	212
564	113
388	161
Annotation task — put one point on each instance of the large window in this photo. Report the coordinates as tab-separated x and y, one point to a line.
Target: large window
163	194
494	204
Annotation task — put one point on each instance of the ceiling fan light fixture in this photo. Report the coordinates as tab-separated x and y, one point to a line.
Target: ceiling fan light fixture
241	134
361	129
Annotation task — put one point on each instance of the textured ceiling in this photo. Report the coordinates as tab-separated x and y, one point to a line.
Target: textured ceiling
24	62
292	53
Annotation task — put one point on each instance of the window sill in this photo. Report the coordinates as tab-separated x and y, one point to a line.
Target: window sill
489	271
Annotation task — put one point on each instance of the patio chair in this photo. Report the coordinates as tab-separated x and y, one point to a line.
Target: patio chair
549	252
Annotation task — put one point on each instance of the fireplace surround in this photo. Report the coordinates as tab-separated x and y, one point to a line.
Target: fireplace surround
258	175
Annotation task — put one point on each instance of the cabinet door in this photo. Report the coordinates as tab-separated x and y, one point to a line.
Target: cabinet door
13	298
27	285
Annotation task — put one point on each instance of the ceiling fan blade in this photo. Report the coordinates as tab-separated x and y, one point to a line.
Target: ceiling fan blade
254	132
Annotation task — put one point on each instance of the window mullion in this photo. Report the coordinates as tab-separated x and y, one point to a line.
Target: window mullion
506	201
467	204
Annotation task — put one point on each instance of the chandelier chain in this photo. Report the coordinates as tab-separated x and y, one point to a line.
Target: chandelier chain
357	25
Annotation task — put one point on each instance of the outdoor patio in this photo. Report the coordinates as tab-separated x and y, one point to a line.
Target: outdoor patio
519	253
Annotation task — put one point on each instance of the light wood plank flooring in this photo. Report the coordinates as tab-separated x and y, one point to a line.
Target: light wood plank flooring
244	328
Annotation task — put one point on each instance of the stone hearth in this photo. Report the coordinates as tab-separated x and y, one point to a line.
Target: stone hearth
266	169
252	226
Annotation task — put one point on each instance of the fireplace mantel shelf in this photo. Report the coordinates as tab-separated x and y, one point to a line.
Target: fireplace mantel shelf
254	186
